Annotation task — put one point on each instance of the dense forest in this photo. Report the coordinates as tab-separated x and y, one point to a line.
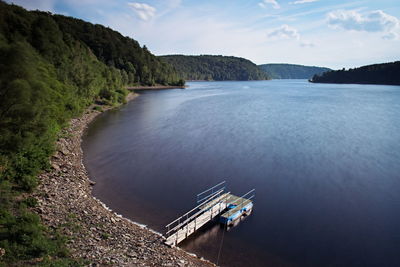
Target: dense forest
217	68
136	64
52	68
291	71
386	73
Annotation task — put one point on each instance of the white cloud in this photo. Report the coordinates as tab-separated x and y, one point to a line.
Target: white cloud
174	3
302	2
284	32
375	21
307	44
167	6
390	36
273	3
144	11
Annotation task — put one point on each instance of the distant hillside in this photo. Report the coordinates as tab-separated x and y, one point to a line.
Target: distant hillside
218	68
386	73
291	71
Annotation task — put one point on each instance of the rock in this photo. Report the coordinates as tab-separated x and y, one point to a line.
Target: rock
55	166
2	252
132	255
64	151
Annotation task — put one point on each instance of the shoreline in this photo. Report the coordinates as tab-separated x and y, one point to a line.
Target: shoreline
155	87
95	233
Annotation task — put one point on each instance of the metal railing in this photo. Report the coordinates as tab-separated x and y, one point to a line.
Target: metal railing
248	197
219	186
189	216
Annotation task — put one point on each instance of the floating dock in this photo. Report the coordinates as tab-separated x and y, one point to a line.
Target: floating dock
213	202
237	207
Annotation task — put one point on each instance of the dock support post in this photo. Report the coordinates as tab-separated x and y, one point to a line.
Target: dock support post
187	226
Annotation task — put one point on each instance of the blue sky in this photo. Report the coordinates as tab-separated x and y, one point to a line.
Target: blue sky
330	33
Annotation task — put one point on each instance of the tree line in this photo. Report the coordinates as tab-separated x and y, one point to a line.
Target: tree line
217	68
386	73
291	71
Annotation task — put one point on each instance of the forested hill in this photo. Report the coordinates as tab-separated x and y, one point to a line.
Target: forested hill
218	68
291	71
51	69
386	73
123	53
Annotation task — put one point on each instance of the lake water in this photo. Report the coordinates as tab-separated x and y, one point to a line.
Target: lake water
324	160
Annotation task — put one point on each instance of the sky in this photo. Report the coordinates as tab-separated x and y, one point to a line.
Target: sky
329	33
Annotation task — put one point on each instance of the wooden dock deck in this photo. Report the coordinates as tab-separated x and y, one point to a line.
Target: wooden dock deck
195	224
211	206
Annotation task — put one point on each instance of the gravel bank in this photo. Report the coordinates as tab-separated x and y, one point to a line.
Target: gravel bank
96	234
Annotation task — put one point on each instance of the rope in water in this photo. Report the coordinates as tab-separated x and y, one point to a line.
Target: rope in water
220	246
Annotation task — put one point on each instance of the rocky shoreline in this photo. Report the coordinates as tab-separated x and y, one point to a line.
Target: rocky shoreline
96	234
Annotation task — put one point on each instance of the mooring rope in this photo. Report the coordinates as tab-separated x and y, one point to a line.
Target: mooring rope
222	241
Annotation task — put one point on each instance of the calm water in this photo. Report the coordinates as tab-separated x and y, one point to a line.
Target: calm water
324	159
